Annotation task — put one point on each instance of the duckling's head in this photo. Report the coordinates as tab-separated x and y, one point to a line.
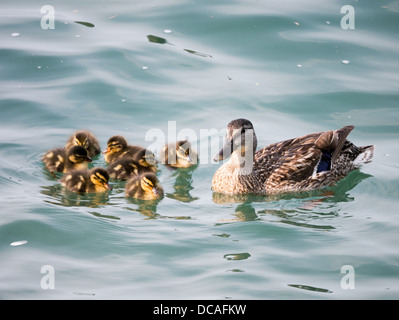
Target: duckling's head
81	139
145	158
240	140
183	150
115	144
149	184
100	177
78	154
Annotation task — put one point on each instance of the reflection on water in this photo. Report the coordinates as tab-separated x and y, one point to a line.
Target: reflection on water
299	209
60	196
183	185
147	208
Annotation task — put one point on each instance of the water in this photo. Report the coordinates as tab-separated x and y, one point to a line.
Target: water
133	66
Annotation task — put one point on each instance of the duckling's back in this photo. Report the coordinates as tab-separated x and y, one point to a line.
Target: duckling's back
56	160
76	181
124	168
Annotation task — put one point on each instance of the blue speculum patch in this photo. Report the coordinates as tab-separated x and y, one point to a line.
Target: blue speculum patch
325	162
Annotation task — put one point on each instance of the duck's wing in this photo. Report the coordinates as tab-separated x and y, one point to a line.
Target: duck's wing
290	162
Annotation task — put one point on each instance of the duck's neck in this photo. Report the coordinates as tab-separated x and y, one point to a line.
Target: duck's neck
236	176
242	165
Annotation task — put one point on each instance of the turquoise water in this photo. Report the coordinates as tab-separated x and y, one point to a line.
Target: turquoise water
138	67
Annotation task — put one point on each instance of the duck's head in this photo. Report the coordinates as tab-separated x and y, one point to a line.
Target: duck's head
81	139
240	140
183	151
100	177
115	144
145	158
78	154
149	184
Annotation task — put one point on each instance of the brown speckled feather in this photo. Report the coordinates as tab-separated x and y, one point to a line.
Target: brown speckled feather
292	165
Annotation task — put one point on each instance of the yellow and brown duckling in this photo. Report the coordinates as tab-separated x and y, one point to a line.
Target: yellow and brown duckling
118	148
65	160
179	155
125	168
85	139
144	187
87	181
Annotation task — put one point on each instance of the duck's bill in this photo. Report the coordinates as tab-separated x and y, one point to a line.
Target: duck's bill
105	151
89	159
225	152
106	185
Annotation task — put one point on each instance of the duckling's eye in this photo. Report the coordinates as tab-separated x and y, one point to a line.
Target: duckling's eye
148	182
79	157
114	145
100	178
149	158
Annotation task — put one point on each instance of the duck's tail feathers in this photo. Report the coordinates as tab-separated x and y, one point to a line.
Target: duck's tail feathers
365	156
341	135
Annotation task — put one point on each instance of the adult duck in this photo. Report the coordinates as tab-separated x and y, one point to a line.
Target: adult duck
309	162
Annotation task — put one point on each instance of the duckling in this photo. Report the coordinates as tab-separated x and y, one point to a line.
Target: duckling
118	148
144	187
179	155
313	161
85	139
85	181
124	168
64	160
146	159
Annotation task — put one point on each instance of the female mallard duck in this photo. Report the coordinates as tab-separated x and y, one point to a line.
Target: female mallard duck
65	160
85	181
85	139
309	162
144	187
178	155
118	148
125	168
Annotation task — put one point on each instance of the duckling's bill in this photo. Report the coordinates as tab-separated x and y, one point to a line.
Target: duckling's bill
108	186
155	191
